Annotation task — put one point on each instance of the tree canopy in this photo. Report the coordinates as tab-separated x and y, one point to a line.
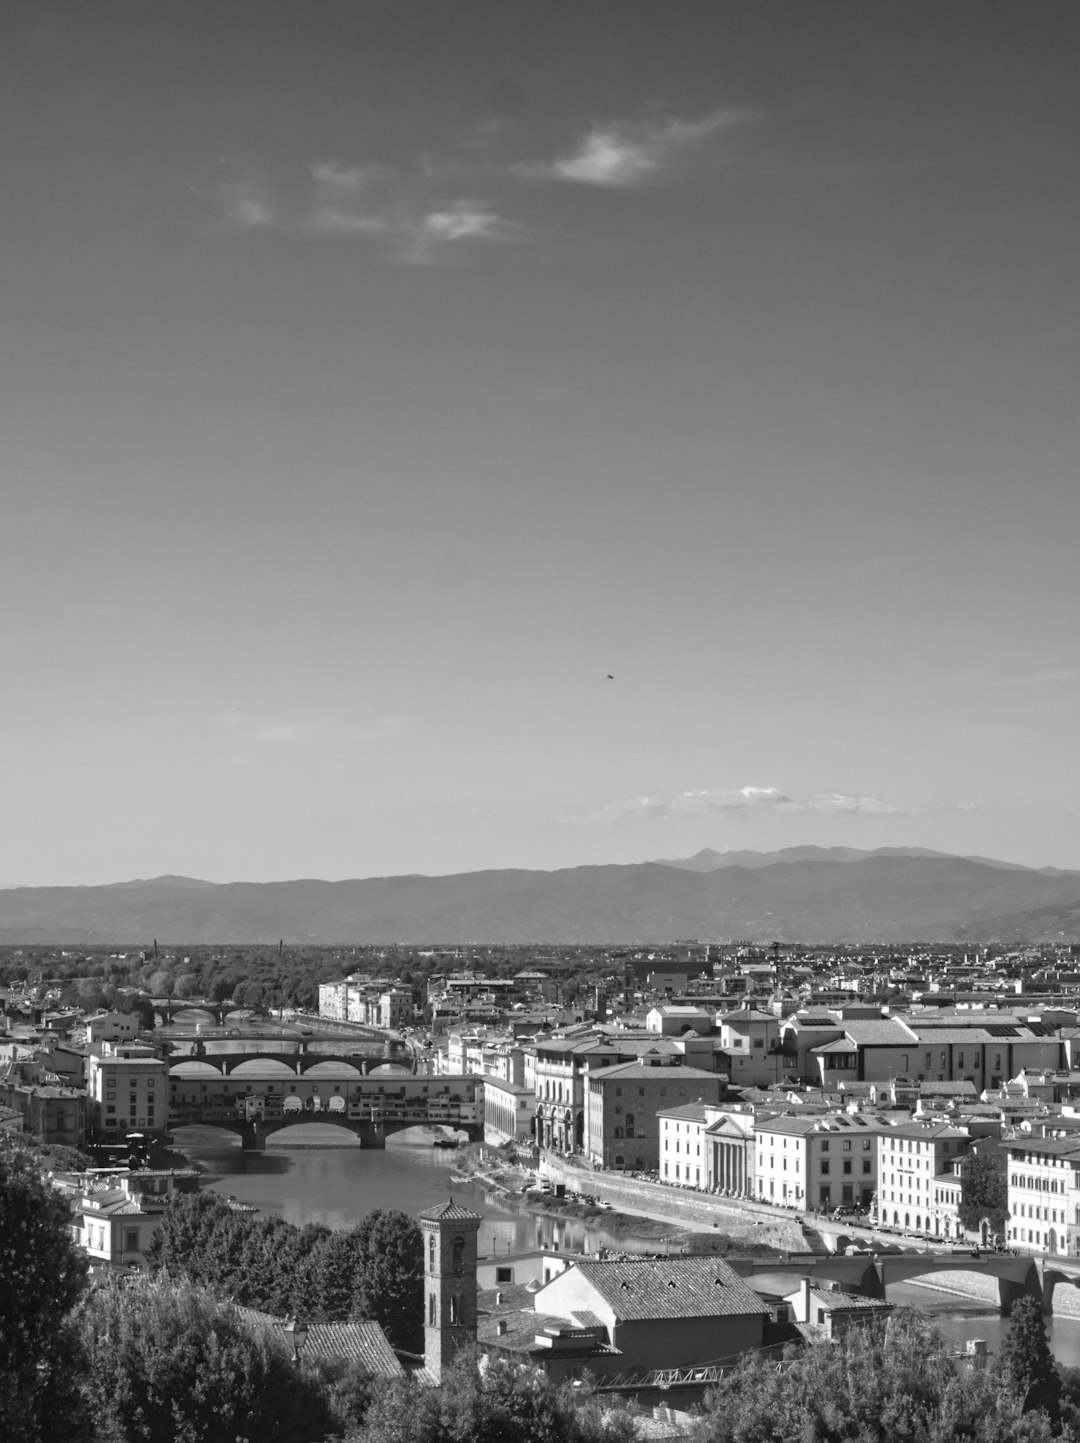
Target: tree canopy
888	1382
1025	1361
984	1191
167	1363
499	1402
373	1270
42	1274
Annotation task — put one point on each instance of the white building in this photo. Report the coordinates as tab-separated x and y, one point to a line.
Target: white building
822	1161
912	1157
683	1153
1044	1193
127	1091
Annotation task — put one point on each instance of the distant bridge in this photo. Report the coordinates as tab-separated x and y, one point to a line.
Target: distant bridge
255	1095
166	1008
870	1274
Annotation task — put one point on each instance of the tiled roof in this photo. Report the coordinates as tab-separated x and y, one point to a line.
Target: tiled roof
450	1211
840	1302
877	1034
362	1343
639	1071
689	1111
671	1288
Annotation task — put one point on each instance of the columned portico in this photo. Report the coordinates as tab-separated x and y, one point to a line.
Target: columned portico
729	1167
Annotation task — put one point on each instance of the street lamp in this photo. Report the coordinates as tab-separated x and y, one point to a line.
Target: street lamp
296	1332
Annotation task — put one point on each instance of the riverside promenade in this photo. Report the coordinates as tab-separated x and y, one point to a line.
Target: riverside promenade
819	1247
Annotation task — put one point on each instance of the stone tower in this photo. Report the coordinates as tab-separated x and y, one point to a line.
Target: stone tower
450	1235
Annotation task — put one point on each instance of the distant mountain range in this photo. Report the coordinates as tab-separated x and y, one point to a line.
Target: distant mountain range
808	894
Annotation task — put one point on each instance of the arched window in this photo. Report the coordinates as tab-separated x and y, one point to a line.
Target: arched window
431	1253
459	1255
431	1310
453	1308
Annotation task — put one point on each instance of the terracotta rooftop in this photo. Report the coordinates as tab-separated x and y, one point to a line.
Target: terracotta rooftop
702	1287
450	1211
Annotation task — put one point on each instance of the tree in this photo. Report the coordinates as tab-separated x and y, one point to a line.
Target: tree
169	1364
497	1402
1025	1360
984	1191
390	1278
42	1274
139	1007
888	1382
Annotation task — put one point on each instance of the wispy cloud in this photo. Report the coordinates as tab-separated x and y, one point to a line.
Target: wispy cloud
629	153
409	215
846	803
738	802
241	196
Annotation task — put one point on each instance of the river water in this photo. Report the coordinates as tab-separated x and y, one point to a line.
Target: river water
325	1181
334	1183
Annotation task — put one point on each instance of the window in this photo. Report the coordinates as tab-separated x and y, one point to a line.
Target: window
847	1144
504	1275
824	1169
866	1169
847	1168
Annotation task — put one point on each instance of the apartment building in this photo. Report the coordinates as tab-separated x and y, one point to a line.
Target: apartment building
127	1091
912	1157
683	1155
1044	1193
622	1128
821	1161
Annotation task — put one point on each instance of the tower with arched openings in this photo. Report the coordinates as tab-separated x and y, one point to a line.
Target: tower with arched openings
450	1238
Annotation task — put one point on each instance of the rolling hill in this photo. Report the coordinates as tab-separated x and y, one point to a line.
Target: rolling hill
884	896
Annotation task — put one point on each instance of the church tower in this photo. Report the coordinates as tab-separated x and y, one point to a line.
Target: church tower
450	1236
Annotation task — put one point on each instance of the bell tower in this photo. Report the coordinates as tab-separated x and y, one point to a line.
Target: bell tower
450	1237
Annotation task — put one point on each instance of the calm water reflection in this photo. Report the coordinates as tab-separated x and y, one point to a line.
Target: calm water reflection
337	1184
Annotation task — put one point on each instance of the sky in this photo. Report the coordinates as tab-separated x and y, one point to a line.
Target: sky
449	436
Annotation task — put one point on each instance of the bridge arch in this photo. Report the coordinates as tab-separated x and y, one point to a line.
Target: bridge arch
260	1065
195	1067
321	1065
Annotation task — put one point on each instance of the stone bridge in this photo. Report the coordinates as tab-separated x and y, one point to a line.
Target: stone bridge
167	1008
871	1273
372	1131
256	1094
298	1061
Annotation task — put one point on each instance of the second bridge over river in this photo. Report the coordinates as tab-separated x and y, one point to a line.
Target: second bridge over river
871	1273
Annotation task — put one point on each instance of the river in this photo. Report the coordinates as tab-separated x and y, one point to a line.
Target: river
334	1183
325	1181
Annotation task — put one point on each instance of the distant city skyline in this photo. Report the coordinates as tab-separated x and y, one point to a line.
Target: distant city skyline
463	436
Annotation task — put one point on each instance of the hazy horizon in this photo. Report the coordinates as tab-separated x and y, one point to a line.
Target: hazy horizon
643	861
450	438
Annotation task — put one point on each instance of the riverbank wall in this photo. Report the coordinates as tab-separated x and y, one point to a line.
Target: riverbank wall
687	1209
